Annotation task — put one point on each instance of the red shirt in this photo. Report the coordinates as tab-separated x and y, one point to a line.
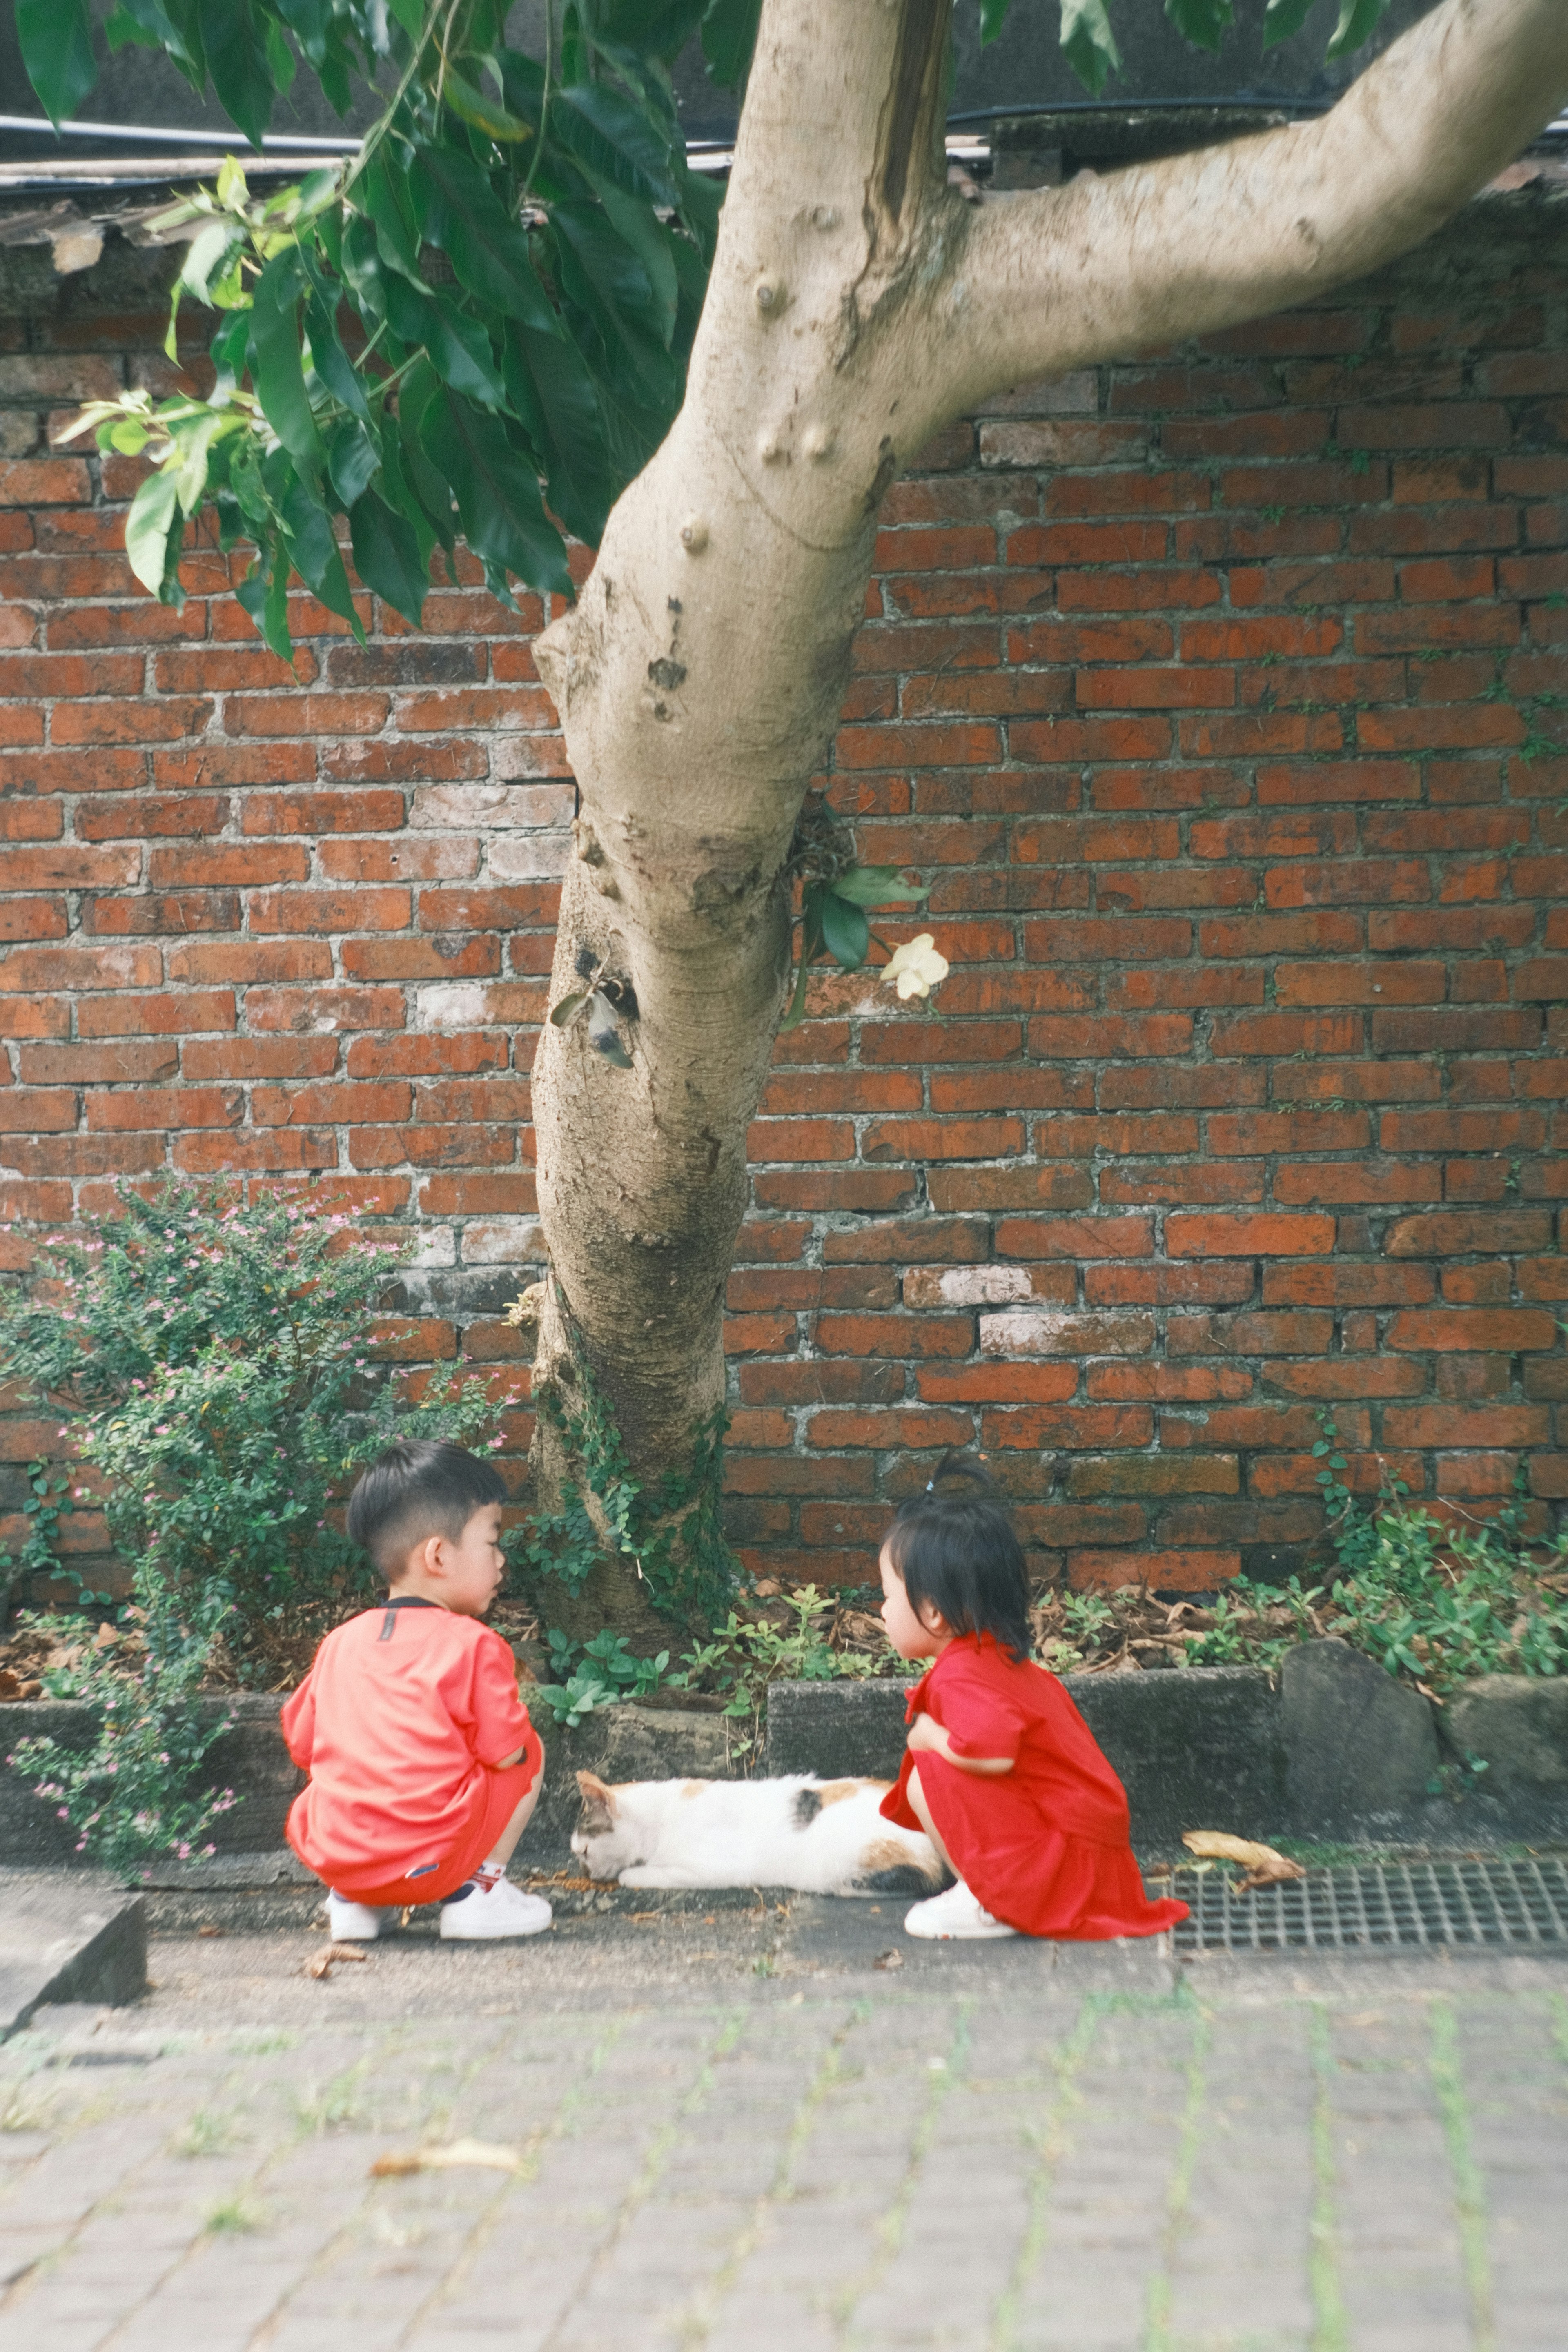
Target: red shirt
400	1723
1045	1845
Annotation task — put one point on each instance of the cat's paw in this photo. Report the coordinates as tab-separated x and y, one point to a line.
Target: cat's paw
646	1874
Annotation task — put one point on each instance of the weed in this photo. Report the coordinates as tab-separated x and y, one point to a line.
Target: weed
593	1675
331	2105
233	2217
207	2134
747	1654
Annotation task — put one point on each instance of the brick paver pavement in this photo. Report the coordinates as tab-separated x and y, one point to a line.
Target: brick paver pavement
739	2134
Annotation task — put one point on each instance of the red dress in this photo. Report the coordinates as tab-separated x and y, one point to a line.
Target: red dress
1044	1847
400	1724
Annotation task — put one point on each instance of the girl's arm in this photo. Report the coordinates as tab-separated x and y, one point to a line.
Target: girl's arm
924	1734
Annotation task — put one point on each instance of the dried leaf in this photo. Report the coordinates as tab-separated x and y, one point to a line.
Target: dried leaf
485	2155
888	1960
320	1964
1263	1866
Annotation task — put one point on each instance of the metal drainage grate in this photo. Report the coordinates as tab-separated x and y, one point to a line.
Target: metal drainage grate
1516	1905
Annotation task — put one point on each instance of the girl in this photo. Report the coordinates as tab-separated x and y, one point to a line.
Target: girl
1002	1772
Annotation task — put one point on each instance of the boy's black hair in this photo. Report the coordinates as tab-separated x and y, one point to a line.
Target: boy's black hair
419	1488
958	1554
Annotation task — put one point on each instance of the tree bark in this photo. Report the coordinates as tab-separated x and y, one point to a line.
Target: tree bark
856	305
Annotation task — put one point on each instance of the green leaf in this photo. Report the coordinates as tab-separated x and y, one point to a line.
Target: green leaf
1283	18
1203	22
1358	22
352	460
561	1014
264	593
616	141
383	193
1089	43
637	223
552	393
313	548
879	886
498	497
846	934
154	511
461	213
209	254
486	113
604	276
237	60
280	56
457	346
332	362
421	391
275	361
387	556
56	39
993	16
730	35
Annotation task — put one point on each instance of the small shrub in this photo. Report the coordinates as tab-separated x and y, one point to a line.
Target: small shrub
1436	1603
593	1675
748	1653
208	1357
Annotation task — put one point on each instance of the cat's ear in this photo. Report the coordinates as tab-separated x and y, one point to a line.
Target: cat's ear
598	1803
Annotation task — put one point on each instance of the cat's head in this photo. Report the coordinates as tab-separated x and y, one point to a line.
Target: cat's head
605	1838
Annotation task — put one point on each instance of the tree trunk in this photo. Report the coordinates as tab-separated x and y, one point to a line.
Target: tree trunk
698	681
855	306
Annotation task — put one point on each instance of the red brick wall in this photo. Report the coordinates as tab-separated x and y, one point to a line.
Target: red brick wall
1212	692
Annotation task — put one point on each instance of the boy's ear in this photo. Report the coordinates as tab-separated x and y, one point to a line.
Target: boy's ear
598	1805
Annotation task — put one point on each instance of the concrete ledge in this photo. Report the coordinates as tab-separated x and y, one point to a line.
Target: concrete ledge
68	1935
1339	1751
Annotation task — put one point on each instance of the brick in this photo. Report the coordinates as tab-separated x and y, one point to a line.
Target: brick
1244	1236
1466	1232
1163	1571
1068	1428
1501	1329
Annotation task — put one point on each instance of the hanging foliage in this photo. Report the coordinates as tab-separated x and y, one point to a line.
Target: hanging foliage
479	324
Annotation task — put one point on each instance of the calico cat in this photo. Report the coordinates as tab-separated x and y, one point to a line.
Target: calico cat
820	1837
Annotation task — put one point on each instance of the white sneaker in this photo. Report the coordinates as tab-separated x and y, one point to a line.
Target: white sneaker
352	1923
505	1910
956	1913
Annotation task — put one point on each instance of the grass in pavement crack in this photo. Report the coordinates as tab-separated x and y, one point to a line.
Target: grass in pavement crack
1157	2322
1050	2138
1330	2329
942	2074
1469	2189
697	2323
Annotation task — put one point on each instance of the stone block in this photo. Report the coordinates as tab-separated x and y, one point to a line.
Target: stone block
1516	1723
1196	1749
625	1742
1362	1747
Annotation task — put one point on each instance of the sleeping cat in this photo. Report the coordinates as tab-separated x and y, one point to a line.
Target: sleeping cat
820	1837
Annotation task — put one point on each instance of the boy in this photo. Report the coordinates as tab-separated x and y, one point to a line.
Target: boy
423	1766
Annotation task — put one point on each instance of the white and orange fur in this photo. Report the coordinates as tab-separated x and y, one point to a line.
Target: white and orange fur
817	1837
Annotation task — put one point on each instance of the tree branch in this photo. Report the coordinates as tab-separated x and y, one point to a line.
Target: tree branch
1104	267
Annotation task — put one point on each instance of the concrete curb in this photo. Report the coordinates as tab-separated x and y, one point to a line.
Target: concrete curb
68	1937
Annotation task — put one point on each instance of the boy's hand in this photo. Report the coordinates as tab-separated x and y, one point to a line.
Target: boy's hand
924	1733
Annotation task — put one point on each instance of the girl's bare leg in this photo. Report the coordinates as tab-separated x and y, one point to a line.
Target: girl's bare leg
917	1797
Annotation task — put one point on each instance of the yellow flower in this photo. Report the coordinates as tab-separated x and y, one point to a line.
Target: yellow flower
916	967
